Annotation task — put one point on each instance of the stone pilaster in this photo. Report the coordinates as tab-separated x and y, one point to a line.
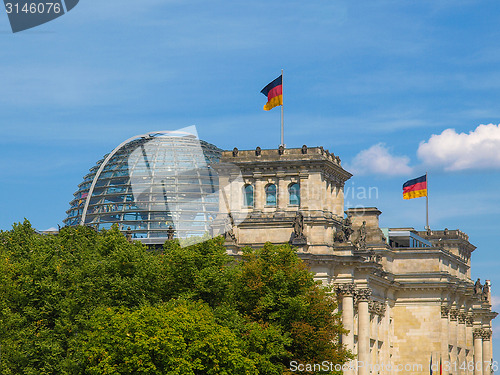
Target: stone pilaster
363	330
453	334
461	339
469	339
445	313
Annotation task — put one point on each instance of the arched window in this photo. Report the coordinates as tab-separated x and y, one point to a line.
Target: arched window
271	195
248	196
294	194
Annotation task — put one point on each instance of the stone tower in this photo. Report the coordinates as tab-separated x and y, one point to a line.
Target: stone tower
285	195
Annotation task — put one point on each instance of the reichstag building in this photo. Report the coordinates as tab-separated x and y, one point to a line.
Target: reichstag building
405	295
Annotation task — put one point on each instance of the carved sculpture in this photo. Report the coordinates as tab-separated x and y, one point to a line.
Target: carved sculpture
170	233
345	231
478	287
485	292
298	237
361	242
228	228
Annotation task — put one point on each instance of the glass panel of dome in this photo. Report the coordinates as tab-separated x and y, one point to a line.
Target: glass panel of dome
147	168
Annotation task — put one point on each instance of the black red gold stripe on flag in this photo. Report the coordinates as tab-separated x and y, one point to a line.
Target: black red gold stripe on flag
274	93
415	188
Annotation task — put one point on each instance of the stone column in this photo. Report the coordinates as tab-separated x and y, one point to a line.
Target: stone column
445	310
363	331
462	317
486	336
469	342
346	292
453	334
478	351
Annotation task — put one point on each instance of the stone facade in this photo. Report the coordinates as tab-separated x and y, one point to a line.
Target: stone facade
404	295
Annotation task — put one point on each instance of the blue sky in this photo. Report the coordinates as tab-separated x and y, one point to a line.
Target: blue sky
396	88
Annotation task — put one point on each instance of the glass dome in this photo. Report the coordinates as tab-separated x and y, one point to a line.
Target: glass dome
150	183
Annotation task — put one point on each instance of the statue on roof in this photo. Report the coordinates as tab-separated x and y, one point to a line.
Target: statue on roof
485	292
362	236
478	287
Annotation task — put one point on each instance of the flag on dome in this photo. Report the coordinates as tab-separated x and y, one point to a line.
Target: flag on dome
274	93
415	188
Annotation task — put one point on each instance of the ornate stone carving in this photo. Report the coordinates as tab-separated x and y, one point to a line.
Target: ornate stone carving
345	289
298	237
453	314
345	231
170	233
477	333
363	294
462	317
445	311
228	228
478	288
469	320
486	334
375	307
485	292
361	242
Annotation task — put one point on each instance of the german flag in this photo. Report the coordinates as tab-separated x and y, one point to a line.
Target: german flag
415	188
274	93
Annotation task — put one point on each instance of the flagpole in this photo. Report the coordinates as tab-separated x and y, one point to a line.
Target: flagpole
427	203
282	126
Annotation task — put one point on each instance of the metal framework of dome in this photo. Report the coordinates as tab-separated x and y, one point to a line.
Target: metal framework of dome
149	183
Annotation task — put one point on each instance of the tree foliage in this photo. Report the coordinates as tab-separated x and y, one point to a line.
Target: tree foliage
83	302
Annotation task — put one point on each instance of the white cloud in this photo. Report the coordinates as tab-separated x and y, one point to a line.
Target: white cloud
480	149
495	301
378	160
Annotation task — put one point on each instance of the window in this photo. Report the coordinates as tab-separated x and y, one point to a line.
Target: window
294	194
248	195
271	195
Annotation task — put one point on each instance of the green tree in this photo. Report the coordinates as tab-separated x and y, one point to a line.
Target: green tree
273	285
177	338
63	296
